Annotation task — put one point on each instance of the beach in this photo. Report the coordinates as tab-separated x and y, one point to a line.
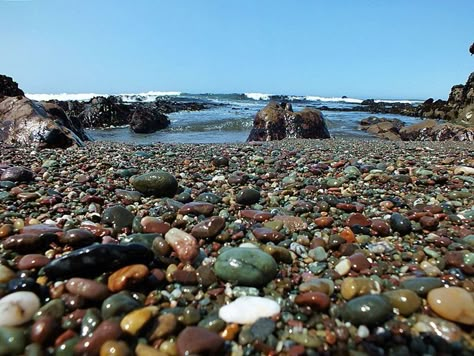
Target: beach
351	242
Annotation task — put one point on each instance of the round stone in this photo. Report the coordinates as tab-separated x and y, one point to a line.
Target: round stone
367	309
134	321
158	183
405	300
315	300
248	309
246	266
194	340
453	303
421	285
248	196
400	224
18	308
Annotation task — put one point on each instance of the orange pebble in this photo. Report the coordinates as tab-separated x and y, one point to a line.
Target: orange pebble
230	332
347	234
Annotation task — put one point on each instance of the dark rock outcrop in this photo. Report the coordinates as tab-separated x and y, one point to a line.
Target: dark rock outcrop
373	120
166	106
148	120
278	121
8	87
103	112
25	122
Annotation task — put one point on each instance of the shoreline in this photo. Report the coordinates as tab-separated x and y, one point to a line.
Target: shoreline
332	213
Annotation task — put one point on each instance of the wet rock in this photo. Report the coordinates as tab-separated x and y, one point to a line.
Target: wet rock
400	224
247	196
12	340
183	244
406	301
18	308
195	340
96	259
78	238
352	287
158	183
315	300
367	309
90	345
421	285
87	288
246	266
16	174
118	217
208	228
264	234
167	324
197	208
126	277
32	261
118	305
453	303
134	321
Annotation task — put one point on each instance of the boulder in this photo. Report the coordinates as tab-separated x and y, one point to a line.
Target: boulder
103	112
8	87
366	123
430	130
148	120
386	129
278	121
26	122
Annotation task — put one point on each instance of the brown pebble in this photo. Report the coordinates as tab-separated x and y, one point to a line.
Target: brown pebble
357	219
429	223
230	332
197	340
316	300
167	324
6	230
87	288
147	350
265	234
90	345
44	330
208	228
152	224
257	215
359	262
32	261
183	244
115	348
197	208
72	301
205	276
185	277
380	227
324	221
78	237
61	339
126	277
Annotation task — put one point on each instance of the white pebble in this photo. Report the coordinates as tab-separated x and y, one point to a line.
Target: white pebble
18	308
363	332
248	309
343	267
248	245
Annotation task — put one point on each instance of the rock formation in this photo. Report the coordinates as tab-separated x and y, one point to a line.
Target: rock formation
8	87
278	121
148	120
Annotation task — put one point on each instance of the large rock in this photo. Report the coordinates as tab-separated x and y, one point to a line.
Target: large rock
8	87
25	122
103	112
148	120
430	130
278	121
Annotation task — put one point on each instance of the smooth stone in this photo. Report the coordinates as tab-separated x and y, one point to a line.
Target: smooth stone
32	261
247	196
429	223
96	259
18	308
205	276
352	287
306	339
55	308
248	309
90	345
26	243
184	245
430	325
315	300
12	340
324	221
146	240
158	183
343	267
400	224
291	223
209	198
190	316
90	321
146	350
359	262
87	288
213	323
453	303
262	328
118	305
257	215
17	174
129	195
197	208
406	301
152	224
318	254
267	235
246	266
126	277
208	228
44	330
78	237
167	324
357	219
66	347
134	321
279	253
367	309
380	227
194	340
421	285
6	274
322	285
115	348
118	217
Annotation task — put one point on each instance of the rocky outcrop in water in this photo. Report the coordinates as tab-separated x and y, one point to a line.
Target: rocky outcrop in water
148	120
25	122
279	121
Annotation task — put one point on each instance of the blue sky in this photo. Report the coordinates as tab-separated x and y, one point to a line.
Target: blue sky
381	49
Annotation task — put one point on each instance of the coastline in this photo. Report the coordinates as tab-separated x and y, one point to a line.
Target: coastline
340	240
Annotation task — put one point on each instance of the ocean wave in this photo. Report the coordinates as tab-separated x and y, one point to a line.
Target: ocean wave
236	124
129	97
258	96
64	96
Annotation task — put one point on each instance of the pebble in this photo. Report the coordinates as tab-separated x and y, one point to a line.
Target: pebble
197	208
265	234
453	303
118	217
324	221
246	266
18	308
78	237
194	340
87	288
146	350
352	287
6	274
367	310
167	324
208	228
247	196
184	245
400	224
406	301
359	262
150	224
322	285
315	300
12	340
421	285
91	345
127	277
157	183
16	174
443	328
343	267
115	348
134	321
248	309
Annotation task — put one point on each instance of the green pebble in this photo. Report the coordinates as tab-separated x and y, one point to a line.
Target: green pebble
421	285
158	183
306	340
54	308
118	305
469	258
12	340
367	310
67	347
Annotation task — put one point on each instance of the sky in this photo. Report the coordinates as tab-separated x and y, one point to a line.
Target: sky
412	49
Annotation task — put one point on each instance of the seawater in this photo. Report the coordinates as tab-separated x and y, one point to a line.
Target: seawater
230	121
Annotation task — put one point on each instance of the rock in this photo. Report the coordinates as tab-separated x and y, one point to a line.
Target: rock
248	309
246	266
315	300
8	87
12	340
25	122
400	224
183	244
208	228
148	120
167	324
352	287
118	305
158	183
44	330
265	234
406	301
118	217
194	340
421	285
90	345
248	196
197	208
366	123
367	310
453	303
429	130
16	174
276	122
134	321
87	288
126	277
103	112
96	259
385	130
116	348
18	308
77	238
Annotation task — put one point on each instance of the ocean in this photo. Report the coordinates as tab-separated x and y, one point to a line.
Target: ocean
229	121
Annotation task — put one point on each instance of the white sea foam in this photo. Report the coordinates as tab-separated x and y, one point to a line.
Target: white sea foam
148	96
389	101
258	96
333	99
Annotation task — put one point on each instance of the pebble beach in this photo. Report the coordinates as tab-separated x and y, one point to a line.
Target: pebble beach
292	247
